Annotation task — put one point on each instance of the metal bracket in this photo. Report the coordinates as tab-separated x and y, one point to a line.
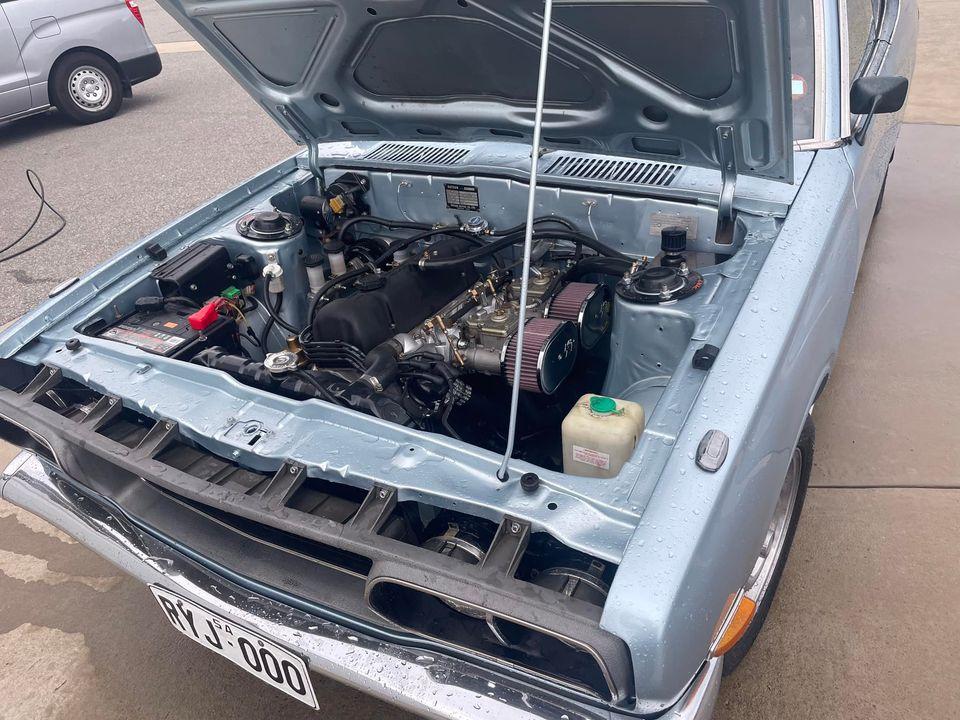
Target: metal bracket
508	545
47	379
158	439
376	509
105	410
728	173
276	491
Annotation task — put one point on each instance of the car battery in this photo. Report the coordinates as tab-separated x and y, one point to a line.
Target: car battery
168	332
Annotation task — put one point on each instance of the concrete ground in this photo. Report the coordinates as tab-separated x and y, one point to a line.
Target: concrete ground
866	621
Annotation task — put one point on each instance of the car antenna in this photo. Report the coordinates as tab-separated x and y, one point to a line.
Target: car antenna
503	473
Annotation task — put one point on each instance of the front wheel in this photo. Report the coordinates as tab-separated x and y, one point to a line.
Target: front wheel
86	88
765	576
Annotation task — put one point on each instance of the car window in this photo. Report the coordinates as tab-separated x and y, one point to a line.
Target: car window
802	67
861	30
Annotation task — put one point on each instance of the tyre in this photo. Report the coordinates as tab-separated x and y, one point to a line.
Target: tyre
86	88
766	574
883	191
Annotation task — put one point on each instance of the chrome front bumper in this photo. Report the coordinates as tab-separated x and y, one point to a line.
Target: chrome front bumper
430	685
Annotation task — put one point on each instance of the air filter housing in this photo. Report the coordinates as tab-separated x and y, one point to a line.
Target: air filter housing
549	353
587	305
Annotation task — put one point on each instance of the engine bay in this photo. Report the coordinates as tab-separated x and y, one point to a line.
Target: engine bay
413	323
331	360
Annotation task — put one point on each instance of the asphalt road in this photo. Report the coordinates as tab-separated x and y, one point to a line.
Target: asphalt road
866	621
186	135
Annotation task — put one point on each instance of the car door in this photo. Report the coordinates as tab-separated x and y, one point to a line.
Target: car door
879	42
14	90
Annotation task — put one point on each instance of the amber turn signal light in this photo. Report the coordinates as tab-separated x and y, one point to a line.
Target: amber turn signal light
737	623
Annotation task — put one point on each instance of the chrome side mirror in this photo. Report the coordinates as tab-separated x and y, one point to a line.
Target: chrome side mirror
877	94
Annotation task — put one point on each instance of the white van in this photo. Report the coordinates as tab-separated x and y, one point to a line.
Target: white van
82	57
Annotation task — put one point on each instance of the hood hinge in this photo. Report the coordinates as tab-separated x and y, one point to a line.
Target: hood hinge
313	160
728	173
303	136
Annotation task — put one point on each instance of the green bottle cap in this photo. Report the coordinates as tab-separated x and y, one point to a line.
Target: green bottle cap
602	405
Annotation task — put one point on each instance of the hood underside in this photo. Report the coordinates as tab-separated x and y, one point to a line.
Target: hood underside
656	79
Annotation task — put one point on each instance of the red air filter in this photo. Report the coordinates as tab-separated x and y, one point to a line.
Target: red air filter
549	352
587	305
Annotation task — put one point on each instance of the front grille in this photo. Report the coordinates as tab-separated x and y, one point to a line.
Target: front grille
357	551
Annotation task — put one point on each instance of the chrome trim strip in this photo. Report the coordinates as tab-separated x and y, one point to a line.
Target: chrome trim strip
701	698
820	82
431	685
37	438
820	71
25	114
845	130
821	144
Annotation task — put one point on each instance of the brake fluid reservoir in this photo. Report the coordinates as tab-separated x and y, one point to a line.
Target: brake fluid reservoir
599	435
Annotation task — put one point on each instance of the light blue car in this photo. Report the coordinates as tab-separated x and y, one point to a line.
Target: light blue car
289	412
82	57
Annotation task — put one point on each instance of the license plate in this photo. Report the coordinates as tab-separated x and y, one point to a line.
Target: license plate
271	663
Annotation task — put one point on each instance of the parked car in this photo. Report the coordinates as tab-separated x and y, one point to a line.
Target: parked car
287	411
82	57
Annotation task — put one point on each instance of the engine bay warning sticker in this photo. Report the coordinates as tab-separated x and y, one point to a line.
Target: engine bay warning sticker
150	340
462	197
591	457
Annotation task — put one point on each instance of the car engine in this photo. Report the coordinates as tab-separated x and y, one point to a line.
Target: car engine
409	322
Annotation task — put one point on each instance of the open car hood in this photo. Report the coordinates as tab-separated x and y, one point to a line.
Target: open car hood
702	82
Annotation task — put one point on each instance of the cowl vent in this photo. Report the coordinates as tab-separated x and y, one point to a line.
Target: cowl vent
618	170
418	154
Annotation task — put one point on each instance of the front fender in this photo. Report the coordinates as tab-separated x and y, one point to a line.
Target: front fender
700	533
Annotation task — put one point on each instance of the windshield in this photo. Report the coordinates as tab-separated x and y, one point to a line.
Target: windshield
803	67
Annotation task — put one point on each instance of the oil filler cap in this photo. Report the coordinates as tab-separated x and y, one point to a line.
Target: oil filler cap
712	450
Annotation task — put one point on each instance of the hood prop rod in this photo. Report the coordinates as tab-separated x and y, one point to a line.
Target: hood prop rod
503	473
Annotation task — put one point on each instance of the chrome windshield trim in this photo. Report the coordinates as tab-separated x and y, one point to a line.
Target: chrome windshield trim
820	81
820	72
845	129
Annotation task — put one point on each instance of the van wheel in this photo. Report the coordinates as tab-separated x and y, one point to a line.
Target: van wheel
86	88
773	558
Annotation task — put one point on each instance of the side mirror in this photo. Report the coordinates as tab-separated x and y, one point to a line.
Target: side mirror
877	94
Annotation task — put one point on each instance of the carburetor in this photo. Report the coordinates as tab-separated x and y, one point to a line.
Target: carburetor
477	331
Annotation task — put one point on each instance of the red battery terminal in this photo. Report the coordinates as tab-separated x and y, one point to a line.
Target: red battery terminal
206	316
